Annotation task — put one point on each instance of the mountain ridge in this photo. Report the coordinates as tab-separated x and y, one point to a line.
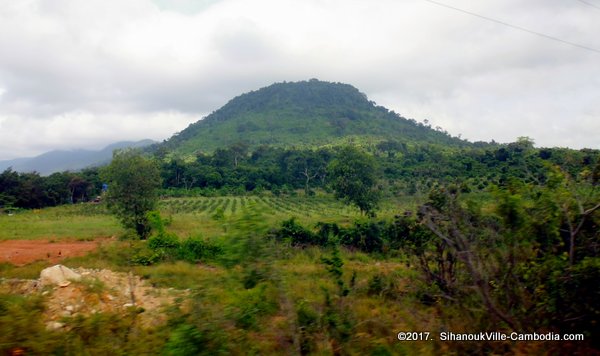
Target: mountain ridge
69	160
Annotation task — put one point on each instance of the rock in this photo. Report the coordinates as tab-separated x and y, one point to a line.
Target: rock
128	305
54	325
69	308
58	275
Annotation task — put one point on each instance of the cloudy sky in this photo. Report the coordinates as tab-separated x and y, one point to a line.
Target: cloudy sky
83	74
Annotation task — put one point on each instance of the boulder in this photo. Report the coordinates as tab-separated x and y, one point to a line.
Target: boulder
58	275
54	325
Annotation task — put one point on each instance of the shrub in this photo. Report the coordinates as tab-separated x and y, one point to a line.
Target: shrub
185	340
194	249
298	235
364	236
164	241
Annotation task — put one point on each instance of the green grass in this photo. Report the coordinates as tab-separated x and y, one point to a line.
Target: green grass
29	271
59	223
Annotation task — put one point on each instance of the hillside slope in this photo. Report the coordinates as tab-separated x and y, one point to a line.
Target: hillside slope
302	114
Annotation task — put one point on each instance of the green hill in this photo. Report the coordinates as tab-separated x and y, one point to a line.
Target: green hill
302	114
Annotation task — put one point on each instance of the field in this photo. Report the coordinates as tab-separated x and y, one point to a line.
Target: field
259	296
201	215
232	275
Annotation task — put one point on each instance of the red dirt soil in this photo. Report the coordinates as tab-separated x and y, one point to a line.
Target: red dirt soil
22	252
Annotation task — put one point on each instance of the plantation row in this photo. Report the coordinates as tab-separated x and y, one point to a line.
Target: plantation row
230	206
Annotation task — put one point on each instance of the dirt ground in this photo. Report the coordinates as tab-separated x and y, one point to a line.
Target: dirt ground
22	252
99	291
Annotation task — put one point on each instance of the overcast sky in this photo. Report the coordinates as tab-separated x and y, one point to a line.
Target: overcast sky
83	74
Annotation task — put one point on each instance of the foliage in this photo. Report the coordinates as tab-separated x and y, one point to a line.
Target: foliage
334	266
298	235
353	178
516	260
133	180
406	169
30	190
164	245
308	113
194	249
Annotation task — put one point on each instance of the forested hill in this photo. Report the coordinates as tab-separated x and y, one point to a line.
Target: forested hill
302	114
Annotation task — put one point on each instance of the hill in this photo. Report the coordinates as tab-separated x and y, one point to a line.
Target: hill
60	160
302	114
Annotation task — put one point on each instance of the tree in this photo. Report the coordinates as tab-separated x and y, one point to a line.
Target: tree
77	188
133	181
353	177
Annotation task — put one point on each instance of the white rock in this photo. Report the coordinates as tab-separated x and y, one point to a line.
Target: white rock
54	325
59	275
128	305
69	308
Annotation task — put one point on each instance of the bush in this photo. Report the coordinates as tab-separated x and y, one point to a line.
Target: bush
167	246
164	241
194	249
147	258
254	304
298	235
185	340
364	236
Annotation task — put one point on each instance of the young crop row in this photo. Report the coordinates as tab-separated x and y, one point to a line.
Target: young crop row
229	206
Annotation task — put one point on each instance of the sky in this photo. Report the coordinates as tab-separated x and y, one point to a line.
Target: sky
84	74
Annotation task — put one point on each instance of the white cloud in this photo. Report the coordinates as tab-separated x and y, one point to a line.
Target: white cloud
67	63
26	136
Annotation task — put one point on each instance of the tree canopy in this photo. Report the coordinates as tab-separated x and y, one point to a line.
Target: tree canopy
354	177
133	181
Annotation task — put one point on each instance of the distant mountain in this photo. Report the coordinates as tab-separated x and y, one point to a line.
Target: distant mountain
58	161
302	114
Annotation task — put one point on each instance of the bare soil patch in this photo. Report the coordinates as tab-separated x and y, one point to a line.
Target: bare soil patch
99	291
22	252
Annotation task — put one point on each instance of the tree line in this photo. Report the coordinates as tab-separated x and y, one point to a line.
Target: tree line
33	191
400	169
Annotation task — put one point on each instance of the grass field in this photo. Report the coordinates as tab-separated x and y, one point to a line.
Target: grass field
67	222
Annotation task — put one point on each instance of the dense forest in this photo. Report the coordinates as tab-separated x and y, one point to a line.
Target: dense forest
403	170
304	114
